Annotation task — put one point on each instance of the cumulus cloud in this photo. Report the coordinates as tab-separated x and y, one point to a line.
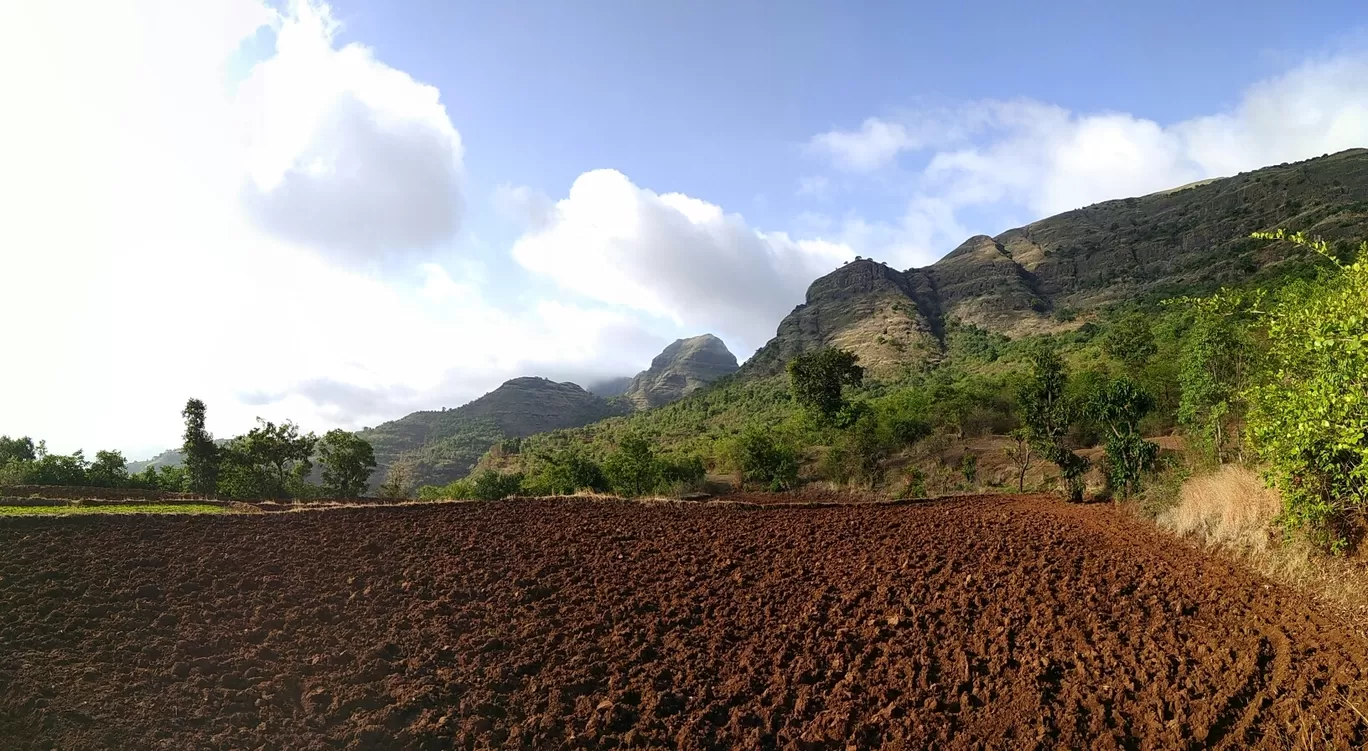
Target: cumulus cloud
673	256
1008	158
346	155
125	163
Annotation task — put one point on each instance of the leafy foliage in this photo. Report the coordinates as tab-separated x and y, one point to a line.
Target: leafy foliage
817	379
1308	408
201	453
764	461
348	461
633	469
1048	413
268	462
1120	405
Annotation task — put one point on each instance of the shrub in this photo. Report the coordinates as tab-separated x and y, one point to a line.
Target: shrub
1308	412
492	485
763	461
633	469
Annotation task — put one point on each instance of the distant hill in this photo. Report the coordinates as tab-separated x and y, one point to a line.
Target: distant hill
683	368
1042	277
167	458
442	445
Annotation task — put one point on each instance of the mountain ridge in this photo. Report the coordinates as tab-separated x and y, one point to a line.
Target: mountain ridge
1037	278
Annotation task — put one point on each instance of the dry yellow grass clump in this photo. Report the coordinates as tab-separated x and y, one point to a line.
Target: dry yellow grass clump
1230	507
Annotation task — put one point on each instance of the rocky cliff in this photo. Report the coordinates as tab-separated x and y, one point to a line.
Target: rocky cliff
681	369
1035	279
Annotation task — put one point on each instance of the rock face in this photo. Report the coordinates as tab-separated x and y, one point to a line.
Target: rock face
442	445
1189	240
681	369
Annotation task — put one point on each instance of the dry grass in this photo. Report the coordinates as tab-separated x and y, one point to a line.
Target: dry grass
1231	508
1232	512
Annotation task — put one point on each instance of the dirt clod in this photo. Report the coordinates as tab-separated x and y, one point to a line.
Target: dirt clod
969	623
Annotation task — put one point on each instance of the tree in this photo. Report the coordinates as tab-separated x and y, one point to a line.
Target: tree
1047	415
109	470
633	469
56	469
200	452
398	482
262	463
763	461
1130	341
348	462
816	379
1019	454
1308	409
18	449
1212	370
492	485
563	473
1120	405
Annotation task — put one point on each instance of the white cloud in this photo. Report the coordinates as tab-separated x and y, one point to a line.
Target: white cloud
674	256
346	155
1008	158
134	278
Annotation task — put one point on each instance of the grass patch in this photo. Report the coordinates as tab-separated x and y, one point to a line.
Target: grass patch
130	508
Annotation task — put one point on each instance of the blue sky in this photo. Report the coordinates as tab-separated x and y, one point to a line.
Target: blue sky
340	214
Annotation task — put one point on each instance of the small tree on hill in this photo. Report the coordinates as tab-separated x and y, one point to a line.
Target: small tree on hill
109	470
817	379
1120	405
1047	414
201	454
1130	341
633	469
763	461
1019	453
348	461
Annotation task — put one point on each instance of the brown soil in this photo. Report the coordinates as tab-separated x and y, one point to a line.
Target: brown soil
989	622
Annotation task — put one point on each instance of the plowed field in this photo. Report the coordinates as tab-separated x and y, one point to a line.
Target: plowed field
973	623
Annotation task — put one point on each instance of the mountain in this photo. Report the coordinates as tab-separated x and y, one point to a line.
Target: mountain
610	387
167	458
442	445
681	369
1039	278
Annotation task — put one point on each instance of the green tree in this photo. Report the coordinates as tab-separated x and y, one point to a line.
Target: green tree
817	378
18	449
563	473
200	452
762	460
633	469
1130	341
348	462
1213	363
262	463
1048	413
109	470
1120	405
492	485
1308	409
57	469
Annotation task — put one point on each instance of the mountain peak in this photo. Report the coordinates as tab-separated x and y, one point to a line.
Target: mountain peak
680	369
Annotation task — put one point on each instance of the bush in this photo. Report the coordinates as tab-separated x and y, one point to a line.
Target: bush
633	470
564	473
763	461
1308	412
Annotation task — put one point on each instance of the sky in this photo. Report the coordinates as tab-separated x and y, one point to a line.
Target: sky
342	213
